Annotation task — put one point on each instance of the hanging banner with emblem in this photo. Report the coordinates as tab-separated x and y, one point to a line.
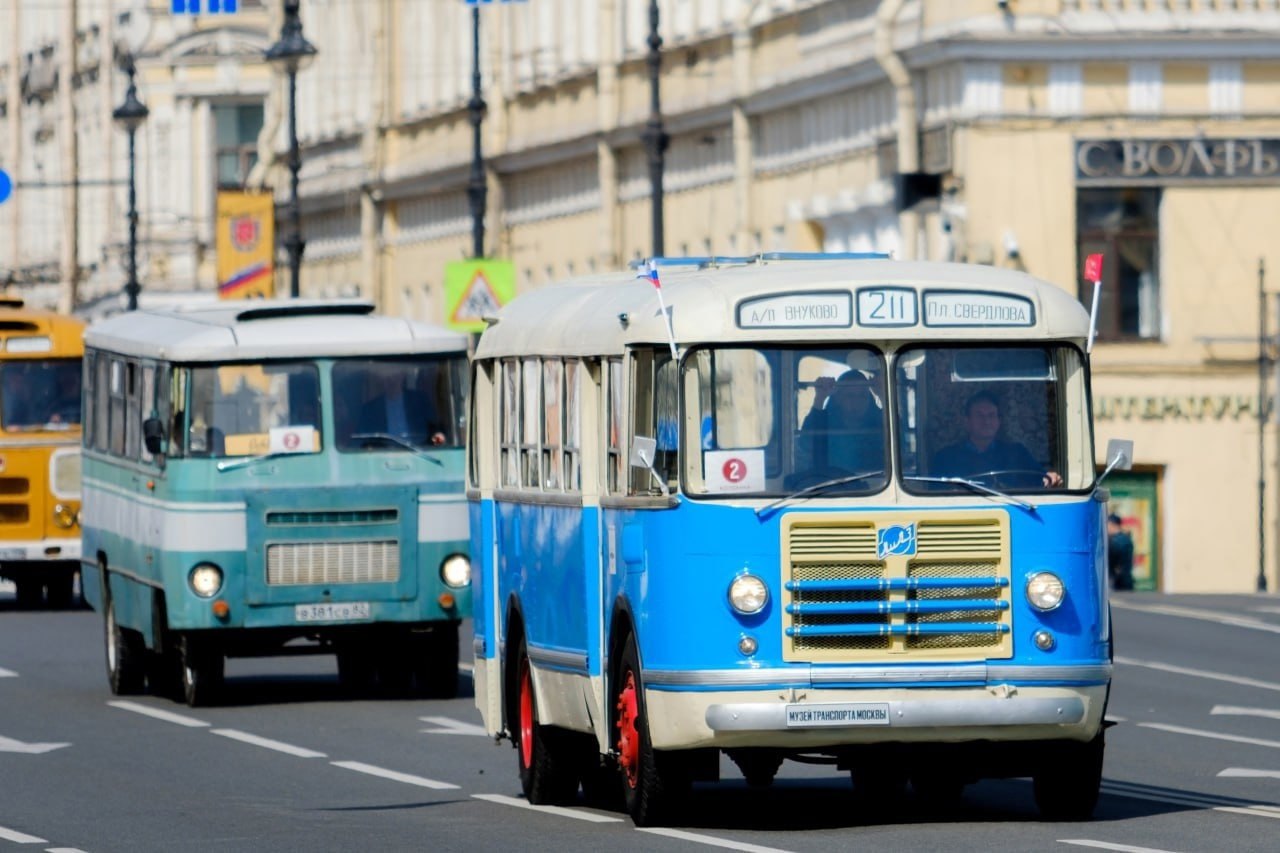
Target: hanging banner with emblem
245	244
474	290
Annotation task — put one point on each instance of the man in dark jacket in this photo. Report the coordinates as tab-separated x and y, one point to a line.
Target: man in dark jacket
1119	553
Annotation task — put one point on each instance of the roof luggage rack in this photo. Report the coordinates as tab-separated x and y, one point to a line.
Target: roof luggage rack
706	261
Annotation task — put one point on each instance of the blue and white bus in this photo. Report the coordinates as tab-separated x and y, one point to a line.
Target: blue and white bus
270	478
676	555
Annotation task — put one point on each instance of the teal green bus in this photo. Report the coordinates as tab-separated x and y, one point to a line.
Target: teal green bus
270	478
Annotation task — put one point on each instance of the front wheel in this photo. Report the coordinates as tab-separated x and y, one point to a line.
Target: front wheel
547	774
201	672
126	656
653	783
1068	784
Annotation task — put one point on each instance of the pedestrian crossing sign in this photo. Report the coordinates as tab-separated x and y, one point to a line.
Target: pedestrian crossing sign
474	290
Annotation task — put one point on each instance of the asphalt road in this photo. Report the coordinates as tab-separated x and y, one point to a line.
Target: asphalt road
289	762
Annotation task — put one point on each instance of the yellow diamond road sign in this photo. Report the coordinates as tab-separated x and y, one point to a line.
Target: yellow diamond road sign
475	290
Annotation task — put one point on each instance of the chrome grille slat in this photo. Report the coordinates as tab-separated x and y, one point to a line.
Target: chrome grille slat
343	562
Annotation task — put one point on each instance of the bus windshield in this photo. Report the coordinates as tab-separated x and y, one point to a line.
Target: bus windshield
400	403
771	421
251	409
40	395
1009	417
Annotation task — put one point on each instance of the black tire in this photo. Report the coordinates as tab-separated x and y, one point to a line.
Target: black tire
654	784
1068	784
126	656
435	662
543	755
164	675
201	673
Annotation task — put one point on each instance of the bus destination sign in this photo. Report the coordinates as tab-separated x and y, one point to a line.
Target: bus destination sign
969	308
819	310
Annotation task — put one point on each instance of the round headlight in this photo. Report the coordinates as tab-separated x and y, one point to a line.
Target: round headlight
748	594
1045	591
455	571
63	515
206	580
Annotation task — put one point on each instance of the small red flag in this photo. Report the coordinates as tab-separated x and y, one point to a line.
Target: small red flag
1093	268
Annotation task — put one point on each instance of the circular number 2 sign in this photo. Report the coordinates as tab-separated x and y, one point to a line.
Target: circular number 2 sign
734	470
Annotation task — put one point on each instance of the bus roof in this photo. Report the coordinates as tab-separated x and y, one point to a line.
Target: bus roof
602	314
259	329
59	335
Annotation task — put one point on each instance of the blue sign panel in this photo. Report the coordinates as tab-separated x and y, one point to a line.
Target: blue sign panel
6	186
204	7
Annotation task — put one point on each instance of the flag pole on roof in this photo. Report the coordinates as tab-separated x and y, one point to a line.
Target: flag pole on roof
650	274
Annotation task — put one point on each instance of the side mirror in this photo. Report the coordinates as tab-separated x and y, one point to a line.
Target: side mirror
644	450
1119	457
153	436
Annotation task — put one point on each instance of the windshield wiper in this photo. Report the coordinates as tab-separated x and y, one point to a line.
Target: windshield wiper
397	440
228	464
975	486
817	487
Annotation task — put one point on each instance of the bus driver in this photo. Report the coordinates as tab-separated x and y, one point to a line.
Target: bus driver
983	452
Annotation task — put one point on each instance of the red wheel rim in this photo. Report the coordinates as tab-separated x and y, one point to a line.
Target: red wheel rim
526	715
628	733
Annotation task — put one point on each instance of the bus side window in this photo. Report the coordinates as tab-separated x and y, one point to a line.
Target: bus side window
655	413
89	367
146	405
133	411
101	401
177	403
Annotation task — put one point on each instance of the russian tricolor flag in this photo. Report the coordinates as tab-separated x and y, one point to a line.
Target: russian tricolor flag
650	274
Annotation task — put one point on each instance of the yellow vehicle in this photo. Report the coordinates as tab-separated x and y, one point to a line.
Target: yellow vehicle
40	381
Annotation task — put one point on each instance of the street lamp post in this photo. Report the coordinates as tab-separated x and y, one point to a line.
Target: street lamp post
477	188
655	136
291	54
130	115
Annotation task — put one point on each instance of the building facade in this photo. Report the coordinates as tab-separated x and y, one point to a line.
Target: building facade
1025	134
204	82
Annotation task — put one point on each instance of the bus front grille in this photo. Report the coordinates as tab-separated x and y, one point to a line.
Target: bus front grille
328	518
296	563
944	595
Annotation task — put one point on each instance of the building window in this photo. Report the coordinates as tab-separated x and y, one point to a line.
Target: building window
1123	224
236	127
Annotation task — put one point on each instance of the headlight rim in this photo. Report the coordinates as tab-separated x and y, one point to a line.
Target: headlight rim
452	559
742	578
198	570
1051	578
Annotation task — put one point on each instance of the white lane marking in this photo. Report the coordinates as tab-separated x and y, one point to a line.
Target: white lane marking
1265	609
1136	792
394	776
1247	773
449	726
1107	845
167	716
1199	673
20	837
1183	730
8	744
7	673
1114	718
556	810
63	850
278	746
709	839
1219	618
1245	712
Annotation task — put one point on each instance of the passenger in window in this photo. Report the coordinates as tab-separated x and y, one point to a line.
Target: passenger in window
844	431
984	453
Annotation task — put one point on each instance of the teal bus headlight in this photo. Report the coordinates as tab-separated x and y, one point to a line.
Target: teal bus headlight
1045	591
748	594
205	580
455	571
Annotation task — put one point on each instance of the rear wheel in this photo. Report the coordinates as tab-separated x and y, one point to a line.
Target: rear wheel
125	656
653	783
201	673
547	773
1067	786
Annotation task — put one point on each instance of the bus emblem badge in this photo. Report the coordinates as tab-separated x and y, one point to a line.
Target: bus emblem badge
896	540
